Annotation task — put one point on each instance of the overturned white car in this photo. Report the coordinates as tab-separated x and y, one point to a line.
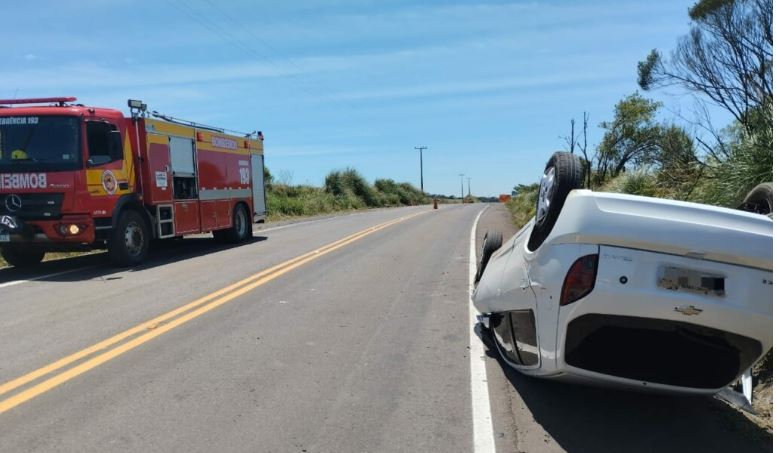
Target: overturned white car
626	290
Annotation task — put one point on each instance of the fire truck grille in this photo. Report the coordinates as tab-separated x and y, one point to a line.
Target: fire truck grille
32	206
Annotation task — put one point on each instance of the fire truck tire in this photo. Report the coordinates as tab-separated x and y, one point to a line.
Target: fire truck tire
26	256
128	244
241	227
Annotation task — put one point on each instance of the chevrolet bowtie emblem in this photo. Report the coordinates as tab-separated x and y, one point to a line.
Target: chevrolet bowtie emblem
688	310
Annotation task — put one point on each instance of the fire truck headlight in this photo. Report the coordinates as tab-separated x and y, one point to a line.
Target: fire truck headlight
70	229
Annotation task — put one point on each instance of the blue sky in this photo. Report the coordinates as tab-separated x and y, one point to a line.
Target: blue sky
489	87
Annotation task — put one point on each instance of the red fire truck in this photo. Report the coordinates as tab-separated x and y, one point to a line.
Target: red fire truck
74	177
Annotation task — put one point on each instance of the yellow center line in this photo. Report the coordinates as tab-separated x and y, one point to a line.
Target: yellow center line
165	322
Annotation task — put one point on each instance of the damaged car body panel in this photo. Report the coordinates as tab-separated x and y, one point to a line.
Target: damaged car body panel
635	292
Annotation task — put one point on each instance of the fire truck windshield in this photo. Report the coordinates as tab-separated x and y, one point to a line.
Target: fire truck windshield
39	143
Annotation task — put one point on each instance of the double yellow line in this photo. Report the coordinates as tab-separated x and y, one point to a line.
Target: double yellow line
132	338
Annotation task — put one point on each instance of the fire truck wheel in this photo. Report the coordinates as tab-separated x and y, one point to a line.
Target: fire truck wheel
26	256
241	228
128	244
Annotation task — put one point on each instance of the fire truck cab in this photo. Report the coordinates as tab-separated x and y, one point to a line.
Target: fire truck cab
74	177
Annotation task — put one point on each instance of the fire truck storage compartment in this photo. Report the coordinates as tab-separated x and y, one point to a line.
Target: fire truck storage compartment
187	217
215	214
184	170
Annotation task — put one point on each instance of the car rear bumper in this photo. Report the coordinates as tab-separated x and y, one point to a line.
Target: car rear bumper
634	331
658	351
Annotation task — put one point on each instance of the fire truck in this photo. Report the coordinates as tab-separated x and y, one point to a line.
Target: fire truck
74	177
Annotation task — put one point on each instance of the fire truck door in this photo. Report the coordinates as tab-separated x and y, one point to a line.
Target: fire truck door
257	184
160	180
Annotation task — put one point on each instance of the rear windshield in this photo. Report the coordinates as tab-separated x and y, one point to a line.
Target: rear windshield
39	143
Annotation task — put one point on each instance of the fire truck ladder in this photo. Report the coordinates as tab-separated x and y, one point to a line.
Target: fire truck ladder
165	225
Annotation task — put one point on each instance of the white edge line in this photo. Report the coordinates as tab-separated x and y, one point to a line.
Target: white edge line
304	222
42	277
482	425
307	222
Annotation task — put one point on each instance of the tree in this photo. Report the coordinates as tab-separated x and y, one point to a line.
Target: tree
632	137
584	149
678	169
726	56
573	142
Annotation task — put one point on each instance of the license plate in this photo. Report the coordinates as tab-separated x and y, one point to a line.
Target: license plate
692	281
5	237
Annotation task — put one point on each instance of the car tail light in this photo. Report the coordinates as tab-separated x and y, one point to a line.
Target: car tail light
580	279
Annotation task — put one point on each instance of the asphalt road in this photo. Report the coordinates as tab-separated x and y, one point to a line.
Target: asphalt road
342	334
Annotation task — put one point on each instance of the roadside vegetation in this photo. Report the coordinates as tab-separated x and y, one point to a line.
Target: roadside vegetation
343	190
725	60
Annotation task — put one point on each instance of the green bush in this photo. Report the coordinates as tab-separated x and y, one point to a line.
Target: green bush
523	205
345	183
639	182
343	190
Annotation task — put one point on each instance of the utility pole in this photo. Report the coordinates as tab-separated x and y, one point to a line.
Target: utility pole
461	175
469	187
421	152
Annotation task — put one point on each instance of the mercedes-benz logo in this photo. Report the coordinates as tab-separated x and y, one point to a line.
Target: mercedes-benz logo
13	202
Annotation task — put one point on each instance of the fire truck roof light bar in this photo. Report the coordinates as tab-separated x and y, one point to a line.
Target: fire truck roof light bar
60	100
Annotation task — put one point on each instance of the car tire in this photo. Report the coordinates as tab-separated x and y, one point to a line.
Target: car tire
26	256
129	240
759	200
491	243
240	229
563	174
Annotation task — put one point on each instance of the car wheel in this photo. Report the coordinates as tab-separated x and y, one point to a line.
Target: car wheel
26	256
128	244
563	174
759	200
491	243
